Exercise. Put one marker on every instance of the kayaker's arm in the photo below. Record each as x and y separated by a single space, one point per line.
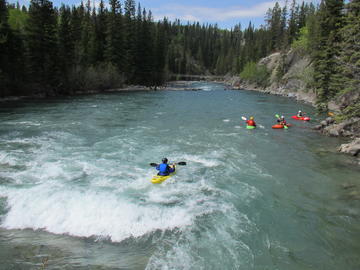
172 168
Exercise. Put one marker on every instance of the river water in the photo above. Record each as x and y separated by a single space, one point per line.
75 190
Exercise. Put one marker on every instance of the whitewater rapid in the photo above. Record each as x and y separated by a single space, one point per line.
75 172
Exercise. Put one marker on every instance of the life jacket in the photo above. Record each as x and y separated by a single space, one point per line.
251 123
164 169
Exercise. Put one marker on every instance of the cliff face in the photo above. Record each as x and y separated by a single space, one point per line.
291 75
288 76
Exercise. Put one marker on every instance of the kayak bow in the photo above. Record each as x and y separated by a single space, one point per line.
303 118
278 126
250 127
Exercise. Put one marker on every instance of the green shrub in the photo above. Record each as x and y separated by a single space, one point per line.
307 76
303 42
100 77
254 73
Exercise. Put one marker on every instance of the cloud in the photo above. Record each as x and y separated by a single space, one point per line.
208 14
204 14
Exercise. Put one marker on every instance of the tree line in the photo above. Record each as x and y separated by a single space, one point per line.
51 50
59 50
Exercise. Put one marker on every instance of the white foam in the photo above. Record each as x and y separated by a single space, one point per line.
24 123
200 159
86 214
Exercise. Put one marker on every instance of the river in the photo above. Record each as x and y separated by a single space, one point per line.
75 190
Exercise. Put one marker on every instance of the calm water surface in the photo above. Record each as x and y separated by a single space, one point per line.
75 184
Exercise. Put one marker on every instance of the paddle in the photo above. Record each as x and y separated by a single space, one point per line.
243 118
181 163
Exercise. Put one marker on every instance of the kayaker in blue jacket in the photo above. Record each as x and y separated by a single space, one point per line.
164 168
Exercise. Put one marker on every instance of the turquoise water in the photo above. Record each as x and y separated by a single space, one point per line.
75 184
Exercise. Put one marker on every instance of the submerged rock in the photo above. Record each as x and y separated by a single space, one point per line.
348 186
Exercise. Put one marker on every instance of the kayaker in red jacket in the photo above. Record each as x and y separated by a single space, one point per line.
251 122
281 120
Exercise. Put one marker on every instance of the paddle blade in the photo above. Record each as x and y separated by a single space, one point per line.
277 116
182 163
153 164
243 118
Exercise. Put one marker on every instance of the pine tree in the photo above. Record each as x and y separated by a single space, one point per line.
42 44
87 31
293 22
327 73
140 49
66 42
349 58
114 51
99 19
77 15
130 39
149 44
274 25
4 48
159 55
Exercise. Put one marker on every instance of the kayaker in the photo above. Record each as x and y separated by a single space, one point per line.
281 120
251 122
299 114
164 168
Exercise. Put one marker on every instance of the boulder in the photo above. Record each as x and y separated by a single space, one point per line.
346 128
348 99
352 148
330 120
323 123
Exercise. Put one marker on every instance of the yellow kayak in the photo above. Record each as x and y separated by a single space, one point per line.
157 179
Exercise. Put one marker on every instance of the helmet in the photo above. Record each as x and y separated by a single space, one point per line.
251 117
299 111
282 117
164 160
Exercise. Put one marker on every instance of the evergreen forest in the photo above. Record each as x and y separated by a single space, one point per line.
59 50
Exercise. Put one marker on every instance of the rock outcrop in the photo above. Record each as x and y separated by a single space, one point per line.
347 128
293 82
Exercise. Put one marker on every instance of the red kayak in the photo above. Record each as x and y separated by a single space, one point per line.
304 118
278 126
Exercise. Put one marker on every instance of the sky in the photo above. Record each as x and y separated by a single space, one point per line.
226 13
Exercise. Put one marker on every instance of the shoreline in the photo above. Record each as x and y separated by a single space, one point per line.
327 127
169 86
